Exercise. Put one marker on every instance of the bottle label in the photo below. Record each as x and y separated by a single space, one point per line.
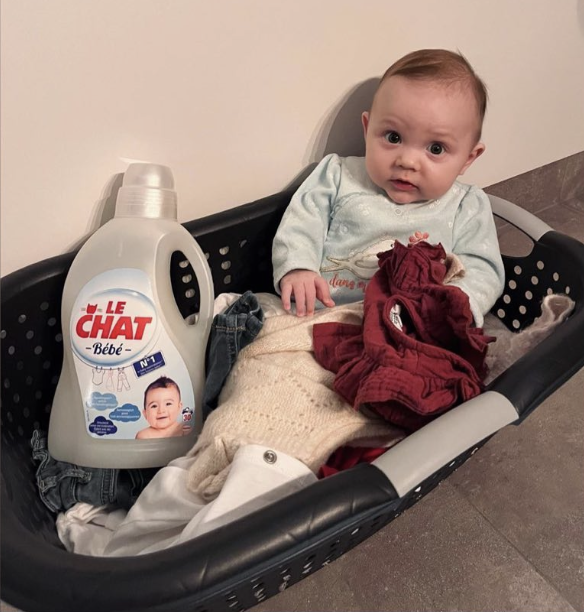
134 382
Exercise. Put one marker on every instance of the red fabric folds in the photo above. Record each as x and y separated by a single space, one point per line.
412 365
347 457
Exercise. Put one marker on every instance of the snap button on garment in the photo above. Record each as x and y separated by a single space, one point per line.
270 457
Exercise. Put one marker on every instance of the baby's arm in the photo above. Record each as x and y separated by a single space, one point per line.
476 244
298 245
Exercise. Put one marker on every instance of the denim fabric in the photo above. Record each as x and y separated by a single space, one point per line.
61 485
231 331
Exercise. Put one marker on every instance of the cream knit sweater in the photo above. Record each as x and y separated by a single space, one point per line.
277 395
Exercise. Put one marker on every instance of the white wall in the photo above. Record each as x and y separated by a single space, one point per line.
237 96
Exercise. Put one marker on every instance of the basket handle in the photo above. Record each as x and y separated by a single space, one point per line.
409 463
522 219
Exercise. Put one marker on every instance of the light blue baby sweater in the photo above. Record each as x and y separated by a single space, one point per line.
339 220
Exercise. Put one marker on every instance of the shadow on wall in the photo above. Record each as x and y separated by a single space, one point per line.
580 9
342 131
103 210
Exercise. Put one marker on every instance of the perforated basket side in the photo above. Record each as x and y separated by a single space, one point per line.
529 279
555 265
31 349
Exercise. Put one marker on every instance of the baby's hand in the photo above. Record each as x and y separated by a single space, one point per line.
305 286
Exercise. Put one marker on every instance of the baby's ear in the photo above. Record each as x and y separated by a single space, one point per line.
365 122
476 151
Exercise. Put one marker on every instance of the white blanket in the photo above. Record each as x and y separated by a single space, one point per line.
167 513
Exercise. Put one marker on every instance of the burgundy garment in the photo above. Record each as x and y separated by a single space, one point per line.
408 375
346 457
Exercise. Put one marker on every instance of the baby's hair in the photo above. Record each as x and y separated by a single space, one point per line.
445 67
161 383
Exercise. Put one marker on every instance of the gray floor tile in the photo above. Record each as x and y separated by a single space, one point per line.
566 218
439 555
323 590
445 556
534 190
575 203
527 483
573 183
514 242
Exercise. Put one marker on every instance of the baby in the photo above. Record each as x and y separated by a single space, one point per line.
423 130
162 405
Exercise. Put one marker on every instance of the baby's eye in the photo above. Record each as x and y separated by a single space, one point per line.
436 148
392 137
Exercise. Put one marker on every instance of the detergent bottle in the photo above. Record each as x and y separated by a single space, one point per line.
130 390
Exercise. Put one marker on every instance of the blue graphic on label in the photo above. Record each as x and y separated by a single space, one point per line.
102 401
126 413
133 380
148 364
102 427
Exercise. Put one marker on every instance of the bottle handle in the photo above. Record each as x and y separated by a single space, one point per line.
187 245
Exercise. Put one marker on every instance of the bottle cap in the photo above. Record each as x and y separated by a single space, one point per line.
147 191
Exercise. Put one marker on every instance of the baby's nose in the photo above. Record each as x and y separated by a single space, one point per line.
408 159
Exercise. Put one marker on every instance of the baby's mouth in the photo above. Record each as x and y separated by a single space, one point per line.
402 185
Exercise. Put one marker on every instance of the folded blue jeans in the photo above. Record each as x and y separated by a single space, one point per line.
61 485
231 331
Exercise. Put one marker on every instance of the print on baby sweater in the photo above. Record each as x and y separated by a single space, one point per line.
362 264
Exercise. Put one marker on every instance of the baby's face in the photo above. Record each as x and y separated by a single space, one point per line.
420 136
162 407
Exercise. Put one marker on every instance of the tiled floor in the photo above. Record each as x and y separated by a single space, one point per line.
506 531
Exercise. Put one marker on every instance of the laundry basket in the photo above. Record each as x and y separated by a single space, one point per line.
255 557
